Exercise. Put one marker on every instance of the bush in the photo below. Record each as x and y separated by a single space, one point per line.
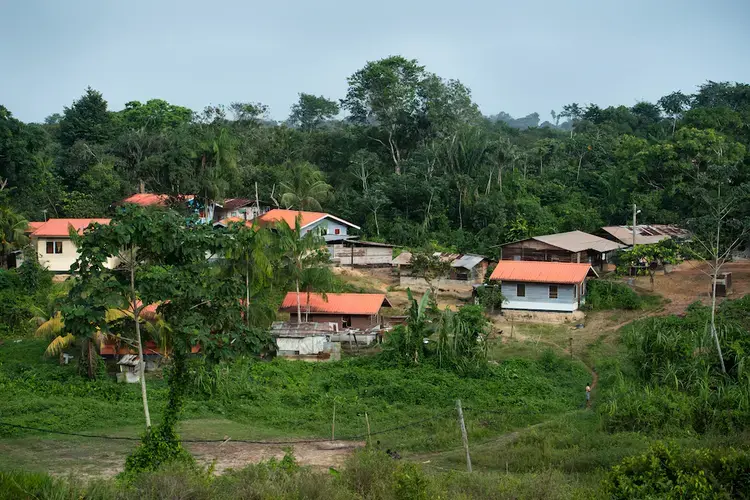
666 471
602 294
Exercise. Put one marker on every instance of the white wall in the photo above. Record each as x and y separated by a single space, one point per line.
61 262
537 297
327 228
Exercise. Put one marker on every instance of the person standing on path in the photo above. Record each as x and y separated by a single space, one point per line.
588 396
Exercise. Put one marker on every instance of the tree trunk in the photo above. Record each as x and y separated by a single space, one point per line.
377 227
142 361
674 125
460 217
90 352
717 268
580 160
299 304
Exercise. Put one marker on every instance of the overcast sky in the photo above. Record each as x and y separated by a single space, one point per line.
516 56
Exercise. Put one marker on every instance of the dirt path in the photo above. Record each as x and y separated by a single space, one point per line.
238 455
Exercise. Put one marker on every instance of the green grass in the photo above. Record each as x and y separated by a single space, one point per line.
289 399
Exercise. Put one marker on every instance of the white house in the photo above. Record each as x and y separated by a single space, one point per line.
326 225
54 247
542 286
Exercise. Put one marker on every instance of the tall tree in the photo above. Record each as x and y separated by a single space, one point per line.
87 119
674 105
310 111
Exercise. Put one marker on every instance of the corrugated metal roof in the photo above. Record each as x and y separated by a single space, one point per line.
646 234
59 228
578 241
232 203
467 261
540 272
297 330
402 259
337 303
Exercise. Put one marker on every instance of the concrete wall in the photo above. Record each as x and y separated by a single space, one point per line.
537 297
61 262
363 256
327 228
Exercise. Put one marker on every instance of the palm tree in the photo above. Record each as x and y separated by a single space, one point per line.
248 256
302 257
306 189
12 233
217 155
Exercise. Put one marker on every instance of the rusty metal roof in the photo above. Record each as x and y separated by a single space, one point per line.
299 330
368 304
646 234
540 272
402 259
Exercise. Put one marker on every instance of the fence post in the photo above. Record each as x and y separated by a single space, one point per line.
369 438
570 340
464 437
333 423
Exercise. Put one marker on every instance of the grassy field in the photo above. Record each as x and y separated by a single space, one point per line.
280 400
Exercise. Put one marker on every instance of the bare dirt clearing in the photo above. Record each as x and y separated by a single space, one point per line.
95 458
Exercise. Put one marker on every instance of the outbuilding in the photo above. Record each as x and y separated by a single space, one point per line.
345 310
542 286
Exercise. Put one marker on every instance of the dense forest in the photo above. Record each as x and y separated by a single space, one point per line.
412 161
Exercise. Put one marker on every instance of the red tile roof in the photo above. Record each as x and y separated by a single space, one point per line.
289 216
338 303
540 272
59 228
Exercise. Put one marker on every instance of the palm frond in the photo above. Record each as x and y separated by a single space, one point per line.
52 327
59 344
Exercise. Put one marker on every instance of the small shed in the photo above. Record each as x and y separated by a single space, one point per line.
129 369
469 267
306 341
542 286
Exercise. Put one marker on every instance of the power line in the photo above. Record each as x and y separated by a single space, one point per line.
248 441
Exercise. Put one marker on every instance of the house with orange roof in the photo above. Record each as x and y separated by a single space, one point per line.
53 245
346 310
542 286
330 227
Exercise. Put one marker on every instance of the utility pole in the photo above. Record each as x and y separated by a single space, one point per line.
635 213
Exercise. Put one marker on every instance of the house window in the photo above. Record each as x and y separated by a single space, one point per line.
346 322
521 290
337 231
553 291
575 291
54 247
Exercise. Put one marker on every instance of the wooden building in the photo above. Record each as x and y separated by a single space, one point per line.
542 286
352 252
573 246
347 310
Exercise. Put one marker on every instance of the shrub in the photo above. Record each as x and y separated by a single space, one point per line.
603 294
668 472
